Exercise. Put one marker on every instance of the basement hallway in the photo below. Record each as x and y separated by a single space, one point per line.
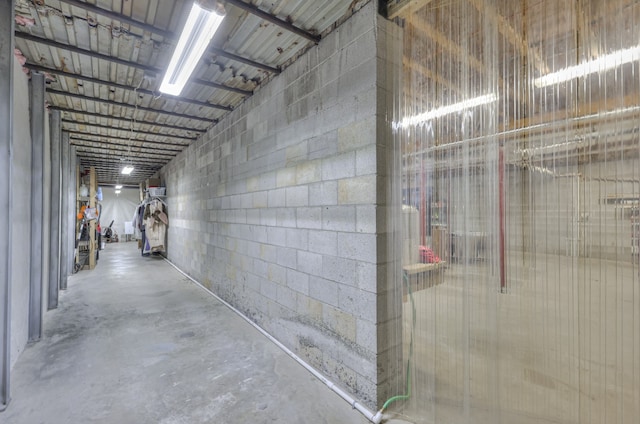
134 341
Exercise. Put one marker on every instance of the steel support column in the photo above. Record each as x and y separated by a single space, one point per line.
56 204
71 240
65 210
36 105
6 140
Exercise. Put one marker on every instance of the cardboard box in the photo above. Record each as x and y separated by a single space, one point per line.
153 182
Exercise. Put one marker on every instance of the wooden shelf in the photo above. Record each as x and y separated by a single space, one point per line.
90 201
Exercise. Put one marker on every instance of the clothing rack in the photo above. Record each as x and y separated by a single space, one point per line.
151 220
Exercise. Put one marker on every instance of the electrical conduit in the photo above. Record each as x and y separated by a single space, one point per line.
376 419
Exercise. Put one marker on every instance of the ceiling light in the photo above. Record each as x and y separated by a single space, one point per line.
118 187
128 169
117 191
603 63
198 31
447 110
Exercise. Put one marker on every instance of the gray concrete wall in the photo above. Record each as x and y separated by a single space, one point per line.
21 207
118 207
276 208
565 208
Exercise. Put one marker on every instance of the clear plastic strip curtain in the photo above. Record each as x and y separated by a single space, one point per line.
518 133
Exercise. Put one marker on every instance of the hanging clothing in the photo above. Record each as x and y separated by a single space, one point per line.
155 225
150 222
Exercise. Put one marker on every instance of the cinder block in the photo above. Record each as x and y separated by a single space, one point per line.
342 323
366 219
323 242
277 198
286 177
357 135
253 216
287 257
366 160
311 308
277 236
296 153
323 145
366 334
361 361
287 297
359 190
323 193
253 282
269 289
360 247
309 262
308 172
337 167
297 196
286 217
367 276
309 217
339 218
336 370
359 303
323 290
260 199
276 273
268 217
298 238
268 253
339 269
299 281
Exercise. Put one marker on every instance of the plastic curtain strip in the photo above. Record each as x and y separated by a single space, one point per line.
517 149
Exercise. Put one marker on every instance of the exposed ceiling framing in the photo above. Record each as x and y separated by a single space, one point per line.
104 63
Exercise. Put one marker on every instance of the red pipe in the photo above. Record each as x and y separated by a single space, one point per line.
501 207
423 209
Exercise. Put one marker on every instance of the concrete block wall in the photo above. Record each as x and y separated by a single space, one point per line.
277 209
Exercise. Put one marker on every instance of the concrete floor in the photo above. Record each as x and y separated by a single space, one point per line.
561 346
134 341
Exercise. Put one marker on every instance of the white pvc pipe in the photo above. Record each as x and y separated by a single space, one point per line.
374 418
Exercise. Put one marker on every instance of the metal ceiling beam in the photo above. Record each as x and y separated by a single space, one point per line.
132 160
106 147
274 20
127 105
220 52
91 124
166 34
124 144
115 166
145 68
179 146
118 118
53 71
111 148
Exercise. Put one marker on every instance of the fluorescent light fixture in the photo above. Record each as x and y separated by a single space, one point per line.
128 169
201 25
118 187
117 191
447 110
603 63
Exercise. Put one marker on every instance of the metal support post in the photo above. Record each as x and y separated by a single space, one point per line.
65 187
37 204
6 141
56 204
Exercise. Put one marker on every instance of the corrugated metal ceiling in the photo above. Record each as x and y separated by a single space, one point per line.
105 60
